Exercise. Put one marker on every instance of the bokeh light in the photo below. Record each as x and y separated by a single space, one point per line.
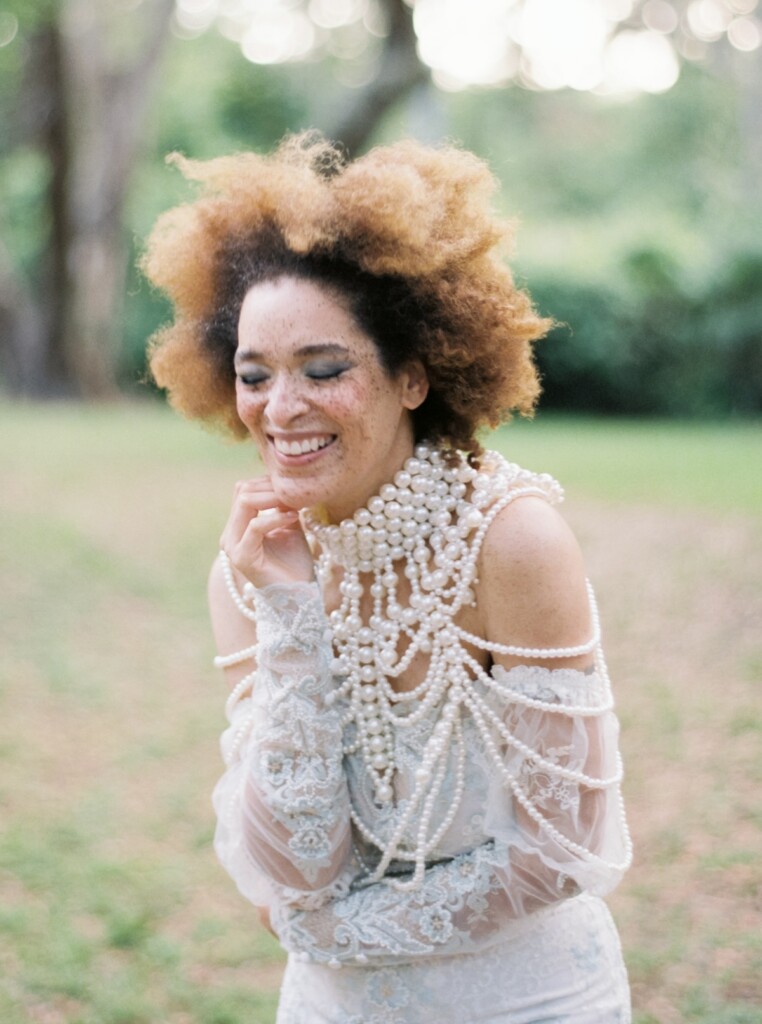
640 62
466 44
544 44
745 34
660 16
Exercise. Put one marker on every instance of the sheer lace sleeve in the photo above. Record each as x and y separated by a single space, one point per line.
283 829
554 825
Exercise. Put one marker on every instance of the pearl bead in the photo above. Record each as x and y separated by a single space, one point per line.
384 792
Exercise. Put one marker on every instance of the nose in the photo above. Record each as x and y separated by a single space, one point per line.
285 401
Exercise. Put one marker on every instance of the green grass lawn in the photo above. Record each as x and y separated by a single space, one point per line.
112 908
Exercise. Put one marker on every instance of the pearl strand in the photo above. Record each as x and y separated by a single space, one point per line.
542 652
579 710
424 518
238 600
434 518
511 781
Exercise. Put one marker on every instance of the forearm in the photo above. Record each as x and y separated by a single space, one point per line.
462 906
282 804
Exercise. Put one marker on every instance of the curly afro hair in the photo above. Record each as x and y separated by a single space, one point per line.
404 234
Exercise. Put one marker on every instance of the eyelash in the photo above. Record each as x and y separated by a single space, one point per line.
333 374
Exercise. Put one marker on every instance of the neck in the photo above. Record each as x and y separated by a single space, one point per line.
402 449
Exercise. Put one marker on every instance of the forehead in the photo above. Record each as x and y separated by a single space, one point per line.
290 311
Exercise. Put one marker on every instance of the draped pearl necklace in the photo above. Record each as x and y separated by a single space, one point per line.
426 526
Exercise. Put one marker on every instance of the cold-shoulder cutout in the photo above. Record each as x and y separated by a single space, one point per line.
532 585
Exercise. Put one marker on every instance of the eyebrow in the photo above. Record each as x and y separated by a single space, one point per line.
327 349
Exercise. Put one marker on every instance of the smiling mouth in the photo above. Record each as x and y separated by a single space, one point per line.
302 446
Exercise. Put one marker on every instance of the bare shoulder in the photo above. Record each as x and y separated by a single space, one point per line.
532 584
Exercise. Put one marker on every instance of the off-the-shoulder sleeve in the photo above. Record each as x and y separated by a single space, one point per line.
283 824
554 819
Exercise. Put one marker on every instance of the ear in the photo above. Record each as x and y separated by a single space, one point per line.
414 383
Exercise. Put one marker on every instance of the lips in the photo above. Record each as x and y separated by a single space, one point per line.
305 445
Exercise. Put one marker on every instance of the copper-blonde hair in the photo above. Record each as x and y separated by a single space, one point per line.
405 234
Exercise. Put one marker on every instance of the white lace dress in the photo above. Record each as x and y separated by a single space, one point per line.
508 924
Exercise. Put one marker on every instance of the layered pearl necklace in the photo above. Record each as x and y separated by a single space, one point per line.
432 518
428 526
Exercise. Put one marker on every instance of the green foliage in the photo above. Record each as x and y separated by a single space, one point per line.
647 342
637 237
637 231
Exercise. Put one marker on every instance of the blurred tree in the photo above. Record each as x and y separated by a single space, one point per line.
87 76
82 74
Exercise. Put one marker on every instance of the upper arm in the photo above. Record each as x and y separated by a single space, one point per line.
232 631
532 586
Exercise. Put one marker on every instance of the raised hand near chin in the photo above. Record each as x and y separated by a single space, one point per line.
264 539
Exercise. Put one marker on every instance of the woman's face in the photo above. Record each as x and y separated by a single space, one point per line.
330 424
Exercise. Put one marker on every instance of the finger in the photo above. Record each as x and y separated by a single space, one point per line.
246 506
268 521
248 552
260 485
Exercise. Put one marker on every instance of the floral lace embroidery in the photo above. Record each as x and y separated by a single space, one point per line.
291 750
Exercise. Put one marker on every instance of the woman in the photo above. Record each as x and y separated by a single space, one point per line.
422 779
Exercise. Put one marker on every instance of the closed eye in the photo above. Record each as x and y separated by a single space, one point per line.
326 371
252 379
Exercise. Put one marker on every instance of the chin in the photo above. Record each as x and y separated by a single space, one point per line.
296 496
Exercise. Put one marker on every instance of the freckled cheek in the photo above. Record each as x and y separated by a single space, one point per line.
249 410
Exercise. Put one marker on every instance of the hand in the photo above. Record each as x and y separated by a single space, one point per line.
264 539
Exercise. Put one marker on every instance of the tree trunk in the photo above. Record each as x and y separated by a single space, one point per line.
401 70
106 109
90 107
22 332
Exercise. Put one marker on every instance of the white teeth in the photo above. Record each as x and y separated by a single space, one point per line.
300 447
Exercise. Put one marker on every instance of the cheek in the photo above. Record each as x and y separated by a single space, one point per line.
247 405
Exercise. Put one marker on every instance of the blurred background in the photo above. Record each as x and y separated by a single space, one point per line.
627 135
627 139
